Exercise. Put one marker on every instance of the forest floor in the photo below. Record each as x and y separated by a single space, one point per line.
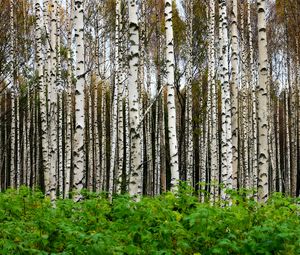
166 224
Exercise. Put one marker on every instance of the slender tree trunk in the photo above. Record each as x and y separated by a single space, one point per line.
52 98
254 160
234 93
226 112
287 141
119 83
68 142
103 138
262 103
189 102
79 155
18 141
59 98
13 104
212 126
244 105
172 133
135 183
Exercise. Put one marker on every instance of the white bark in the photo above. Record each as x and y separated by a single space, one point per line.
114 132
126 117
226 91
13 105
79 155
157 153
253 170
262 103
119 84
52 98
18 141
135 183
97 162
90 134
189 99
59 98
244 105
13 142
234 93
212 107
149 146
287 180
172 133
68 164
202 155
252 104
103 139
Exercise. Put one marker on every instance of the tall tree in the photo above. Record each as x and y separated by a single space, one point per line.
13 100
212 109
226 113
52 113
234 91
189 124
170 62
135 183
79 150
262 103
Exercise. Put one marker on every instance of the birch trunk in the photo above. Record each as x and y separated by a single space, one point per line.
68 164
18 141
119 84
103 139
211 118
157 152
135 184
79 155
13 105
149 146
13 143
262 104
244 105
52 117
189 102
253 170
234 92
172 133
287 169
227 96
90 132
59 98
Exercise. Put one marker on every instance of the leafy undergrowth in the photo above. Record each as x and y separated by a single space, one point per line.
163 225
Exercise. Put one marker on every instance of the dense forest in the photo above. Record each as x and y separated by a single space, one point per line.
134 96
150 127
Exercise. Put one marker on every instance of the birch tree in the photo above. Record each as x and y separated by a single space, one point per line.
120 82
234 92
189 124
253 149
42 92
171 95
226 114
211 118
79 156
13 104
68 132
262 103
114 110
52 113
135 182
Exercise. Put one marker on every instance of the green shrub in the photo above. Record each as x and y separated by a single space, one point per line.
168 224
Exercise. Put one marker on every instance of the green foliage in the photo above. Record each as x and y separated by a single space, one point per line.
168 224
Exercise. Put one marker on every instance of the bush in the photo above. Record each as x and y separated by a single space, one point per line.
168 224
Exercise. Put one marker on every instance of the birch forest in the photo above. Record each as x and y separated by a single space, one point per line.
146 98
